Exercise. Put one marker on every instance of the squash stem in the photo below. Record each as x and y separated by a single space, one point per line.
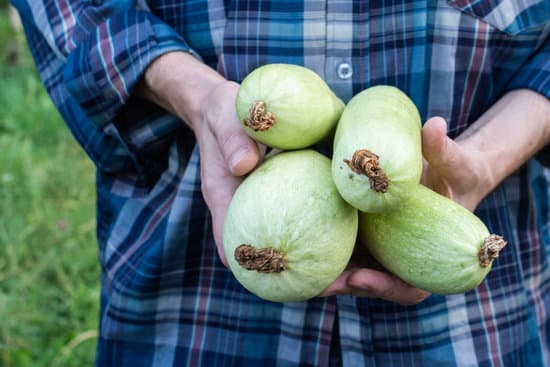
258 119
265 260
366 162
490 249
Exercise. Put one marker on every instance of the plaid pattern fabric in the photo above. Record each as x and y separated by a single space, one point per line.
166 298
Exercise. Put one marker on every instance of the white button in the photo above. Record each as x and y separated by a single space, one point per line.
344 70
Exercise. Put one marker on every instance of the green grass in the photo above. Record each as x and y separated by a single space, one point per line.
49 273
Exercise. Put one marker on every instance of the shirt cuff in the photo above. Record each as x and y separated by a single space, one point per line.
103 70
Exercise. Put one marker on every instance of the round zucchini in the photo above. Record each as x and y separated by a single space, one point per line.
288 234
287 106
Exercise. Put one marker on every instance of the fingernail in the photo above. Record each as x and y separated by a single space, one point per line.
236 158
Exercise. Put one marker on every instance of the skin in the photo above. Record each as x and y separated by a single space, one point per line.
465 169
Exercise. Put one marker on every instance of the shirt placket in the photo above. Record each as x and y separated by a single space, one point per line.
356 333
340 70
339 66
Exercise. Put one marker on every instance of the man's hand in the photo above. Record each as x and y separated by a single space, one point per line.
450 169
226 154
364 277
205 101
492 148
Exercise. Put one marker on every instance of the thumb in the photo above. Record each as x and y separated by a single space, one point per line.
450 169
440 153
240 152
434 142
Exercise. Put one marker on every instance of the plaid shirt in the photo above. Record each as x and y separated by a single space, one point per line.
167 299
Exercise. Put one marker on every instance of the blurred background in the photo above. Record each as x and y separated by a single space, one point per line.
49 273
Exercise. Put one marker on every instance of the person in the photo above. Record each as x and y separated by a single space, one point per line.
148 90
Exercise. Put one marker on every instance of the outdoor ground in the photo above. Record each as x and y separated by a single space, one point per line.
49 273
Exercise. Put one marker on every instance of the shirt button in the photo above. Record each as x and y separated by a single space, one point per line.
344 70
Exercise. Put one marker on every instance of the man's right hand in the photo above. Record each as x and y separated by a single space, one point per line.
226 152
205 101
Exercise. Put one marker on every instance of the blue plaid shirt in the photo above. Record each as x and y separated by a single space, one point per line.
166 298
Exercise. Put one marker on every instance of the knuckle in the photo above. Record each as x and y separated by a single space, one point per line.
231 139
207 189
389 293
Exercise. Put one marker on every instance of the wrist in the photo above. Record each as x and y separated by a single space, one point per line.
485 178
507 135
181 84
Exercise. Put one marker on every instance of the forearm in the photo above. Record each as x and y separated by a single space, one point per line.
508 134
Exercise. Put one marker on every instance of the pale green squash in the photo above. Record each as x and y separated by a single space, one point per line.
377 154
287 106
297 232
431 242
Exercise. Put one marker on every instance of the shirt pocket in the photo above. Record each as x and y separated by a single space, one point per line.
508 16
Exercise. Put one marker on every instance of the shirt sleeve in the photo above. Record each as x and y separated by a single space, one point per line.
105 48
535 75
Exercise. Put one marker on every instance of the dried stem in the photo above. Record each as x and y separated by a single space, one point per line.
366 162
258 119
265 260
490 249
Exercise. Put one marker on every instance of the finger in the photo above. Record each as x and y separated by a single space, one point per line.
435 149
339 286
441 152
434 140
240 152
218 185
377 284
450 170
